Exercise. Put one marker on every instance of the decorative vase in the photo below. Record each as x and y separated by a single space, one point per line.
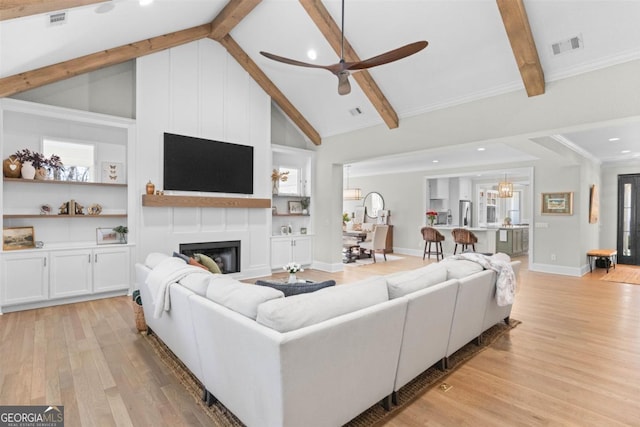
123 237
41 174
292 278
28 171
11 167
151 188
431 220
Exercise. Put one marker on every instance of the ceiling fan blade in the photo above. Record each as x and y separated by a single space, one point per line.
385 58
294 61
344 87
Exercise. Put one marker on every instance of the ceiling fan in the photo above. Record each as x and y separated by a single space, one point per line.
342 68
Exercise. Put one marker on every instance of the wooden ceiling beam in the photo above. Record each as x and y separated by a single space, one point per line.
84 64
270 88
514 17
230 16
10 9
333 34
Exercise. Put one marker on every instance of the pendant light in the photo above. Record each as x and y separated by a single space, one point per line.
351 193
505 188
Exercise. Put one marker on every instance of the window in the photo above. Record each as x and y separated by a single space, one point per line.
292 184
78 158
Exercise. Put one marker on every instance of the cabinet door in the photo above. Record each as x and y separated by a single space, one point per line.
517 242
70 273
25 278
280 252
302 250
111 269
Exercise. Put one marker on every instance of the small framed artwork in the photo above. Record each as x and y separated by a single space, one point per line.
303 230
557 203
106 236
14 238
113 173
359 215
295 207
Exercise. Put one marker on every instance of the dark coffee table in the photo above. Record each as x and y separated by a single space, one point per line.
295 288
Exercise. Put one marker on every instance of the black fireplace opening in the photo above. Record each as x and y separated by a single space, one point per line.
225 254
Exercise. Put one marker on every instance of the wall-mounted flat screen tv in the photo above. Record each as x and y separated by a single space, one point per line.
197 164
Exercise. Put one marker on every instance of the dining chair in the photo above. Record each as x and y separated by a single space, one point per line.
377 243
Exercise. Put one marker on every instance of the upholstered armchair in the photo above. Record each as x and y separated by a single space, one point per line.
377 242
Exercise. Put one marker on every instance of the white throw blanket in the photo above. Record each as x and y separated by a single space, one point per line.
506 282
160 278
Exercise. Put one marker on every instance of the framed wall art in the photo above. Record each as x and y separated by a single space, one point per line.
106 236
295 207
18 238
557 203
594 205
113 173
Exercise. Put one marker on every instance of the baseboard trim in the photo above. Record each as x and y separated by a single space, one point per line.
557 269
328 267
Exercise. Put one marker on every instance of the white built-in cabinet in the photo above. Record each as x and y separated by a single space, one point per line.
70 266
292 233
291 249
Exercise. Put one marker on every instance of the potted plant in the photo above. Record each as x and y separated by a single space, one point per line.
35 165
304 202
122 233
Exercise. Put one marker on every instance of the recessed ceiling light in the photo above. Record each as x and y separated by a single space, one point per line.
625 151
145 2
312 54
614 139
435 161
481 149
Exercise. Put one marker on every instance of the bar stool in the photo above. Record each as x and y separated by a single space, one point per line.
430 234
463 237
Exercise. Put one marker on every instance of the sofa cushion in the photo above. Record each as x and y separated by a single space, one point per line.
459 268
406 282
197 282
296 288
155 258
181 256
194 262
205 260
240 297
288 314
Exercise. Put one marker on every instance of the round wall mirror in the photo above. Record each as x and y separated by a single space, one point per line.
374 203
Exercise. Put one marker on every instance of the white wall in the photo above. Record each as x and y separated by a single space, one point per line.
199 90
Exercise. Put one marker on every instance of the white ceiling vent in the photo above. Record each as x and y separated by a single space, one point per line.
568 45
58 18
355 111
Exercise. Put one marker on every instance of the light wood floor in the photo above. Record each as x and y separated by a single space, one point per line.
575 360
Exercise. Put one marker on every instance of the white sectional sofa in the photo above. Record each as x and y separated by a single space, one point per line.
322 358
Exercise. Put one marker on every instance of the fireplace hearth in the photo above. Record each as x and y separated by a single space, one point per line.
225 254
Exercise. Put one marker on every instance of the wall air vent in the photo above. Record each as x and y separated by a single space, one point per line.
58 18
355 111
567 45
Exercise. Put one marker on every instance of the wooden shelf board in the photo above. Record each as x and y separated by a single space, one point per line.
290 214
12 216
58 182
153 200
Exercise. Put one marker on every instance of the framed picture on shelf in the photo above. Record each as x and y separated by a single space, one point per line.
113 173
295 207
106 236
383 217
557 203
18 238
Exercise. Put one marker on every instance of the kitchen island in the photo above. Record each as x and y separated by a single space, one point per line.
513 240
486 238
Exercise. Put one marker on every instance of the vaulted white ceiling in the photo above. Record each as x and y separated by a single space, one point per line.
468 57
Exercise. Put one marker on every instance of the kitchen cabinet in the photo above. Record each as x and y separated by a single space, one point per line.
439 188
513 241
294 248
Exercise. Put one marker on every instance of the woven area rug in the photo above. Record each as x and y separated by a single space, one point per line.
623 274
374 416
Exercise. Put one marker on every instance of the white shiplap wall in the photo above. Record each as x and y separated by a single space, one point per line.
199 90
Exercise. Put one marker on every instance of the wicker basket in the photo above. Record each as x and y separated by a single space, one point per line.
141 324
